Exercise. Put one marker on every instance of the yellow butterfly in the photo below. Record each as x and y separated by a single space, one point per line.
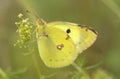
60 43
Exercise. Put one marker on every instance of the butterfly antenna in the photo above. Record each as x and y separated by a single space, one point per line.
35 16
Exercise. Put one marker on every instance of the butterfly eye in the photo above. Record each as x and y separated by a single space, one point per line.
68 31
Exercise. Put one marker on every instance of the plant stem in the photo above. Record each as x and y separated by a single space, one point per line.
37 67
3 74
79 69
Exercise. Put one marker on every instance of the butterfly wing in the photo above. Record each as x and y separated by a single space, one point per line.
55 50
82 36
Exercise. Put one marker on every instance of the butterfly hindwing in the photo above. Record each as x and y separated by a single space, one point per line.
56 48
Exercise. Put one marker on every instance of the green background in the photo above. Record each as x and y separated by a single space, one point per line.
102 15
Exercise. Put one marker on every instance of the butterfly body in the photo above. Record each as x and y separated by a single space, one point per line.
60 43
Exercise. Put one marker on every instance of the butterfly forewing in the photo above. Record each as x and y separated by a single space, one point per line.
82 36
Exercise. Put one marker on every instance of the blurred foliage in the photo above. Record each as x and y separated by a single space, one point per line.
101 74
23 63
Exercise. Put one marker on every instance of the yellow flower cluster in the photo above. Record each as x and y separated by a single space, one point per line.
25 29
